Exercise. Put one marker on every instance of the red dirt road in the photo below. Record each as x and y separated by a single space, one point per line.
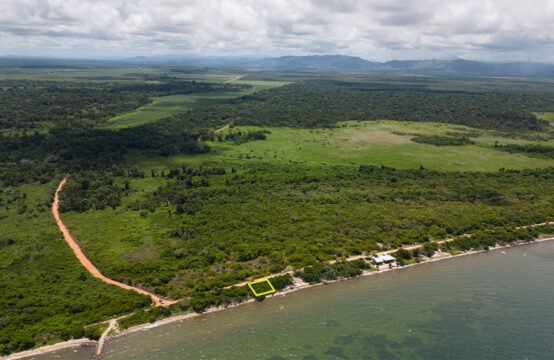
86 262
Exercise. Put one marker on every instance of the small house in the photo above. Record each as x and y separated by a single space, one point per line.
382 259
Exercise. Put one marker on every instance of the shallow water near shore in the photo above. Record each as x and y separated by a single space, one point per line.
493 305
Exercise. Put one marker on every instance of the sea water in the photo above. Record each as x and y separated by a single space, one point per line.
491 305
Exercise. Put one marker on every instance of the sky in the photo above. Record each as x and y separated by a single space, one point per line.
376 30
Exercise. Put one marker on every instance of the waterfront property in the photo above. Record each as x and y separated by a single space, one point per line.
382 259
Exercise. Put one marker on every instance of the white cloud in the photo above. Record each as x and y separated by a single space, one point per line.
373 29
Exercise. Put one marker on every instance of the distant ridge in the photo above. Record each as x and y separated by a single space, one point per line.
461 66
351 63
318 62
339 63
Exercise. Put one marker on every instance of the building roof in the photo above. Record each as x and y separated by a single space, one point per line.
383 258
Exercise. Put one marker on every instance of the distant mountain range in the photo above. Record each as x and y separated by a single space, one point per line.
340 63
317 62
356 64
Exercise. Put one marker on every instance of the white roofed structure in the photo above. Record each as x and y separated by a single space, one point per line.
382 259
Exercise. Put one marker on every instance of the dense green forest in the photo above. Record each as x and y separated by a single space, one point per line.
190 231
324 103
33 104
211 225
70 111
39 156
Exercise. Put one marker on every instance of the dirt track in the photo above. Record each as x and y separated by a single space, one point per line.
221 129
86 262
235 78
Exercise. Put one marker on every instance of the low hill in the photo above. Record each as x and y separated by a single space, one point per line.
351 63
461 66
318 62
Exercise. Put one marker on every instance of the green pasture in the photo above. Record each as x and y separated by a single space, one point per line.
362 143
166 106
261 85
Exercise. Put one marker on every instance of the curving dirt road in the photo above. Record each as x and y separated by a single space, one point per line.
86 262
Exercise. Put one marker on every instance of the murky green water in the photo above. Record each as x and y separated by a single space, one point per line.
496 305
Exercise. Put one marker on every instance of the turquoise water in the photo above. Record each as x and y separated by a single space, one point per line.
495 305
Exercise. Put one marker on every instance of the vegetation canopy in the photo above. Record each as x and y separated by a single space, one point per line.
267 174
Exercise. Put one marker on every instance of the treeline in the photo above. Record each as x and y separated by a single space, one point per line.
39 156
239 137
179 191
96 190
217 296
200 301
323 103
484 240
325 271
535 150
439 140
403 255
33 104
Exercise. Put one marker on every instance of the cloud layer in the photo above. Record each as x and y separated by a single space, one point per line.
379 30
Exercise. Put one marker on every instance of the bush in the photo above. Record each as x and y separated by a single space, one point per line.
95 332
403 254
438 140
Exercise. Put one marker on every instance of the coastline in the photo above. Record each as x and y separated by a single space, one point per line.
50 348
298 285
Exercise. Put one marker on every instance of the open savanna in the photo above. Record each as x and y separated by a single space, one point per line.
84 72
375 143
165 106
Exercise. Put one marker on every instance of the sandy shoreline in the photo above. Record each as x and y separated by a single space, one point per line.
299 285
303 285
49 348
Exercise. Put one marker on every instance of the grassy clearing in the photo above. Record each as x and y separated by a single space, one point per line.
261 85
166 106
363 143
548 116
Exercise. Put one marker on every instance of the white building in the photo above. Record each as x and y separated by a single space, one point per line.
382 259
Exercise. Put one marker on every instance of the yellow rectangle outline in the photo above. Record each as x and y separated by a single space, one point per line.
260 281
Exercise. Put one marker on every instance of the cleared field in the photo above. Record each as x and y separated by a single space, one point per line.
165 106
261 85
364 143
86 73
